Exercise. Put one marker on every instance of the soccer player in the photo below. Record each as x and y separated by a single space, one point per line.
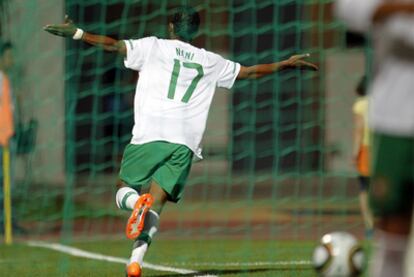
6 125
173 95
391 117
361 152
7 142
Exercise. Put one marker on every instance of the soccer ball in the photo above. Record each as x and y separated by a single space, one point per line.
338 255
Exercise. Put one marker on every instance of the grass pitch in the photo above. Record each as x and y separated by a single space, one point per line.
204 257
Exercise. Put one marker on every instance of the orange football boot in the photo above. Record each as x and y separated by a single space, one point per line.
136 220
134 270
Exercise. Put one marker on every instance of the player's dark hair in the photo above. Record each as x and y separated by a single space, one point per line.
361 89
4 46
186 21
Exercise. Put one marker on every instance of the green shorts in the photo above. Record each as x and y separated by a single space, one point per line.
166 163
392 187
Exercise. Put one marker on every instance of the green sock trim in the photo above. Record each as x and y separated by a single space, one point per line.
123 202
145 237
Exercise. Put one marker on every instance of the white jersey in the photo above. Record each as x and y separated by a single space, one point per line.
392 92
175 88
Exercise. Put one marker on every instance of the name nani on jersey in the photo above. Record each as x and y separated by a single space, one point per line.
184 54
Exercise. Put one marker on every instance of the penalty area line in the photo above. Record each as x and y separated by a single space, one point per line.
96 256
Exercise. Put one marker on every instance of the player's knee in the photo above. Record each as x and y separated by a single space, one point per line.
119 184
160 197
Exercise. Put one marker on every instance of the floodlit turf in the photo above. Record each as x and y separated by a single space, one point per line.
207 257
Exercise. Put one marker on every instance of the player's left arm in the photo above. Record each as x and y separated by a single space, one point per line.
261 70
69 29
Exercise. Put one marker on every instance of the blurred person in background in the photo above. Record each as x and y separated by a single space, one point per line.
6 121
7 125
361 152
391 118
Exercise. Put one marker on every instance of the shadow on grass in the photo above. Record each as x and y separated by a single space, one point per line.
227 272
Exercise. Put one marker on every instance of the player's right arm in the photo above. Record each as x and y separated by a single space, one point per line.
68 29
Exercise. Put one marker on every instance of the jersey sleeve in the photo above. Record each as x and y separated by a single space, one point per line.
138 51
228 73
357 14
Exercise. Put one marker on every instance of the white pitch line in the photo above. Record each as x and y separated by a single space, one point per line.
96 256
225 264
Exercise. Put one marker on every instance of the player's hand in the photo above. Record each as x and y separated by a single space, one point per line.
67 29
297 61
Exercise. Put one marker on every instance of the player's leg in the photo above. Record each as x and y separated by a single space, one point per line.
137 167
168 179
364 206
391 197
151 223
363 167
167 185
391 240
138 164
128 199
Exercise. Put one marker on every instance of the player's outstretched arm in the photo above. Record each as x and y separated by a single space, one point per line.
261 70
69 29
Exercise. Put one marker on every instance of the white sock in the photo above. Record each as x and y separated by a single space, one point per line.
144 239
138 254
126 198
389 255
